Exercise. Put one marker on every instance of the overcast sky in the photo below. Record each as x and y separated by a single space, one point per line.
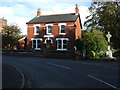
21 11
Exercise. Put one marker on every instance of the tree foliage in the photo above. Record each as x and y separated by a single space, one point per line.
105 17
10 35
94 43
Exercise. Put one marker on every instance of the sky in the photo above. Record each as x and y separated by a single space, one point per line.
19 12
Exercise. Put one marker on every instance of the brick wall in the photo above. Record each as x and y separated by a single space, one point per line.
72 33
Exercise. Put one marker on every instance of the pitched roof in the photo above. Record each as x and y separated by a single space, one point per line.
54 18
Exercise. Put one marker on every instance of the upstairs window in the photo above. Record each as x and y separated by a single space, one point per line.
49 28
62 28
36 29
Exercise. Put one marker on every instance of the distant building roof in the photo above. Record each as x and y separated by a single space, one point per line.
71 17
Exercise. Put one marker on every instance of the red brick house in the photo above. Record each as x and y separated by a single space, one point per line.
56 32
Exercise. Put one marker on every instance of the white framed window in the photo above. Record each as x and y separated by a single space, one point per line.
37 29
49 28
62 28
36 43
62 43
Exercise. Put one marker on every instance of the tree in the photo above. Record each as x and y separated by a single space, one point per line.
94 43
10 35
105 17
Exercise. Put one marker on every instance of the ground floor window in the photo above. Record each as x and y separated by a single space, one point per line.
36 43
62 43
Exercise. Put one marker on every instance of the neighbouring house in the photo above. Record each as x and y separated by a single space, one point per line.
54 32
22 43
3 22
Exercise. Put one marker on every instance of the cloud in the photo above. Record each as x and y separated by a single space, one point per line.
21 22
16 15
57 9
44 1
6 10
27 0
20 13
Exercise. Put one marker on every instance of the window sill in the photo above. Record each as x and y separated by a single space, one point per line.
37 48
36 34
62 33
62 49
49 33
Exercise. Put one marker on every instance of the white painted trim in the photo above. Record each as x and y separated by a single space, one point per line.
62 39
48 39
36 25
62 33
62 49
48 35
49 25
47 28
35 29
37 48
36 39
52 25
62 24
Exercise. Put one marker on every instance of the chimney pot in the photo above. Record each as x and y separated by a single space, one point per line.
38 12
76 9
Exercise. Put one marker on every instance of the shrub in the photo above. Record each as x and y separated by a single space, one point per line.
95 44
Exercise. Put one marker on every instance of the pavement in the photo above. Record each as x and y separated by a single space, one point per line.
12 77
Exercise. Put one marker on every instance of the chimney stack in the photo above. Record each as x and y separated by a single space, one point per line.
76 9
38 12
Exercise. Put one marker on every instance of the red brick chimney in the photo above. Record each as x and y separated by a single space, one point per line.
38 12
76 9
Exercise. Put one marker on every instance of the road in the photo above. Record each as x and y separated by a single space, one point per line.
57 73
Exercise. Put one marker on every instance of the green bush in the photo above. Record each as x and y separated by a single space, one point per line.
95 44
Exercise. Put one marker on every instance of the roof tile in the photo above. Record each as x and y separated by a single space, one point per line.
54 18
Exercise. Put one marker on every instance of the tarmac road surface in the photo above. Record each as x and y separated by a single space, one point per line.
58 73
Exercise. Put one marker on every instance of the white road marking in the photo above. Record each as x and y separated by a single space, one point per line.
99 65
103 82
59 65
